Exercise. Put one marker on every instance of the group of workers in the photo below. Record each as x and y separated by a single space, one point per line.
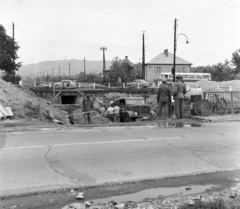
164 98
112 112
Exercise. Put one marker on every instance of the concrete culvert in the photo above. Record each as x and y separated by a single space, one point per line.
69 99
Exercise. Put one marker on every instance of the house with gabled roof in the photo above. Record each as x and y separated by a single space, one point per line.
164 63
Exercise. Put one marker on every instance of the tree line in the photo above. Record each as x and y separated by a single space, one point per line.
225 71
8 55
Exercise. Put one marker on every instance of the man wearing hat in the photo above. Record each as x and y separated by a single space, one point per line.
164 98
179 91
87 107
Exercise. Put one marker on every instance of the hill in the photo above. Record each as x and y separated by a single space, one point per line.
76 66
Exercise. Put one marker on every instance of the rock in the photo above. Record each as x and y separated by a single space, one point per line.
75 206
150 207
191 202
80 196
120 206
87 204
188 188
233 195
72 190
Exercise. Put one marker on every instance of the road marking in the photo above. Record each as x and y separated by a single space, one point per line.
89 143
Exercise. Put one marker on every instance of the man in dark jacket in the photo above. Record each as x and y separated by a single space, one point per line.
164 98
179 91
87 107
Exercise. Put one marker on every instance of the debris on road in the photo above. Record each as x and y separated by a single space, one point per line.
75 206
80 195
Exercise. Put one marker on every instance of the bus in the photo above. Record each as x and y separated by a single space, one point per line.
187 77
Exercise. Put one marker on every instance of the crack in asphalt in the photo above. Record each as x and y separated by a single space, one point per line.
56 171
192 151
205 132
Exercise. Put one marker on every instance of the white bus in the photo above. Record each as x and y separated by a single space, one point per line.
188 77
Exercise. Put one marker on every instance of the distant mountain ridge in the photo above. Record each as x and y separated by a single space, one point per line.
76 66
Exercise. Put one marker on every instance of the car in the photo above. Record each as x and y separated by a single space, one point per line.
138 83
132 108
65 84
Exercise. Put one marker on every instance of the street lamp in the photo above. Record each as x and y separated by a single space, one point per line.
174 55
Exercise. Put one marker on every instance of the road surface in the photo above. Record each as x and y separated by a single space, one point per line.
57 159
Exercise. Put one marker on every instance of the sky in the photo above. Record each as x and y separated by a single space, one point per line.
48 30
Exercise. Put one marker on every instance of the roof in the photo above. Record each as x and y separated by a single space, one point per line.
167 60
126 60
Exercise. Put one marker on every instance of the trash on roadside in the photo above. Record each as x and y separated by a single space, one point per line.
80 195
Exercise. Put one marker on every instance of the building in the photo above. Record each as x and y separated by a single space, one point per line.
164 63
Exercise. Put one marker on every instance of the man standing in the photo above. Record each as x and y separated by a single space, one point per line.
116 113
109 113
164 98
179 91
87 107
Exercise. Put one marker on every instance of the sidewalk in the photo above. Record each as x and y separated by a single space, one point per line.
219 118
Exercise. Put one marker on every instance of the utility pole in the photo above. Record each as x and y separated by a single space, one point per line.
52 73
84 69
13 78
69 71
59 73
174 51
143 57
104 66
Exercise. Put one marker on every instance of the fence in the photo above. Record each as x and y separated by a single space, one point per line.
232 98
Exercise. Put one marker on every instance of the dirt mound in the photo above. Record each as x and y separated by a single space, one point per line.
27 105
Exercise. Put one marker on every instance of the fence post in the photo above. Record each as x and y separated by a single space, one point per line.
109 85
34 85
153 84
124 85
79 85
138 85
94 85
232 103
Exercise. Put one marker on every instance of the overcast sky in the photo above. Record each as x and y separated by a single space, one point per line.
55 29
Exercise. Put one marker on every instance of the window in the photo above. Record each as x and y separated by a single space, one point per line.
158 70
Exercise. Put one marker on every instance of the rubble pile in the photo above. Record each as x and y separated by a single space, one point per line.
27 106
225 199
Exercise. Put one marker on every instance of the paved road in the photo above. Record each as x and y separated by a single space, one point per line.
44 160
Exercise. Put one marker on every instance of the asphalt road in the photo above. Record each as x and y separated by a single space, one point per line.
46 160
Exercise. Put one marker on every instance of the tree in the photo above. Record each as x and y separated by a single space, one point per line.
221 71
8 78
8 53
236 62
123 70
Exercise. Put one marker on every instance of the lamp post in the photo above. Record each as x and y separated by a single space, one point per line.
174 55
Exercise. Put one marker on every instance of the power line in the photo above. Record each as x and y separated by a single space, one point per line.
204 10
211 14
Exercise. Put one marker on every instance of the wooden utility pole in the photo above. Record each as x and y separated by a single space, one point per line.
84 69
143 57
59 73
69 71
174 51
13 72
104 66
